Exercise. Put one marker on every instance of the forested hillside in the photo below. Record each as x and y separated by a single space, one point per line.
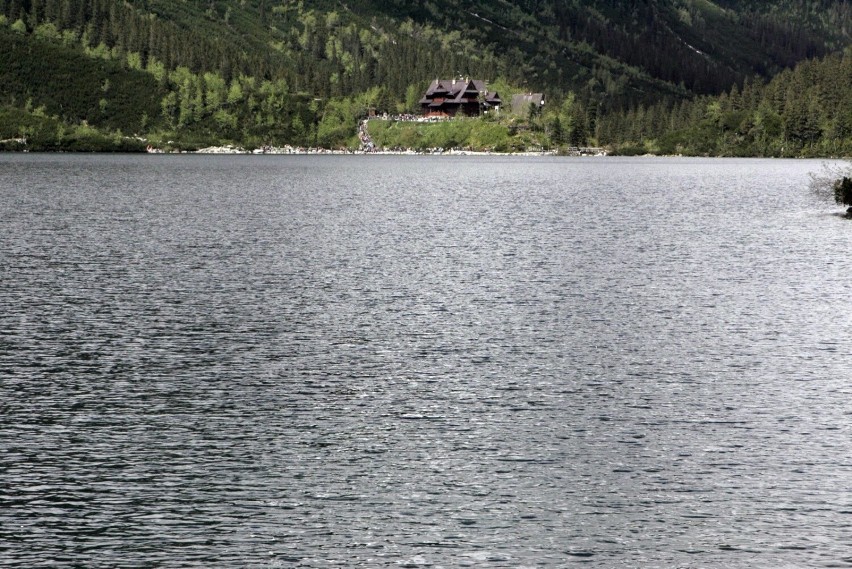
273 72
806 111
698 45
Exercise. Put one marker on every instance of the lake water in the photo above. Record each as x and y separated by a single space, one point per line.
422 362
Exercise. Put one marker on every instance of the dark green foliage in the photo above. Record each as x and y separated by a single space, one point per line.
843 191
806 111
74 87
635 50
20 130
257 72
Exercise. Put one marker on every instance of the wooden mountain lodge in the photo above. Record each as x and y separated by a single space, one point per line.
452 97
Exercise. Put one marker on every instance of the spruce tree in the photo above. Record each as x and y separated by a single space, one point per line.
843 191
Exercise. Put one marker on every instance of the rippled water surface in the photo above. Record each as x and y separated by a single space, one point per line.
446 362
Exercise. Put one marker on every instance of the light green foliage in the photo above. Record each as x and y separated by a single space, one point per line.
47 31
332 20
186 102
19 26
216 91
412 99
298 129
101 51
156 68
235 92
567 113
70 38
274 100
370 99
169 107
225 120
713 112
134 61
338 123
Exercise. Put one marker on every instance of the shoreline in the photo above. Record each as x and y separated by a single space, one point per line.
302 151
310 151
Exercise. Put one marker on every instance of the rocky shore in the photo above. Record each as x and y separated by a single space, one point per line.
298 150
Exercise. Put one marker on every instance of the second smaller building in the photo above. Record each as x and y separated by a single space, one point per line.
521 104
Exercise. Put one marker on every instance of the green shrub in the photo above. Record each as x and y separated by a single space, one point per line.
843 191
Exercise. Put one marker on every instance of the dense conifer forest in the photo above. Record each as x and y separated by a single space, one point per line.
768 78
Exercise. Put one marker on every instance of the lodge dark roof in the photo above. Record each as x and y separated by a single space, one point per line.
459 91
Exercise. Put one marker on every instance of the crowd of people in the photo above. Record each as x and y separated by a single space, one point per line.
364 136
409 117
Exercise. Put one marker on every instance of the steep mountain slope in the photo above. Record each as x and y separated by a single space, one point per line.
702 46
655 45
806 111
267 69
